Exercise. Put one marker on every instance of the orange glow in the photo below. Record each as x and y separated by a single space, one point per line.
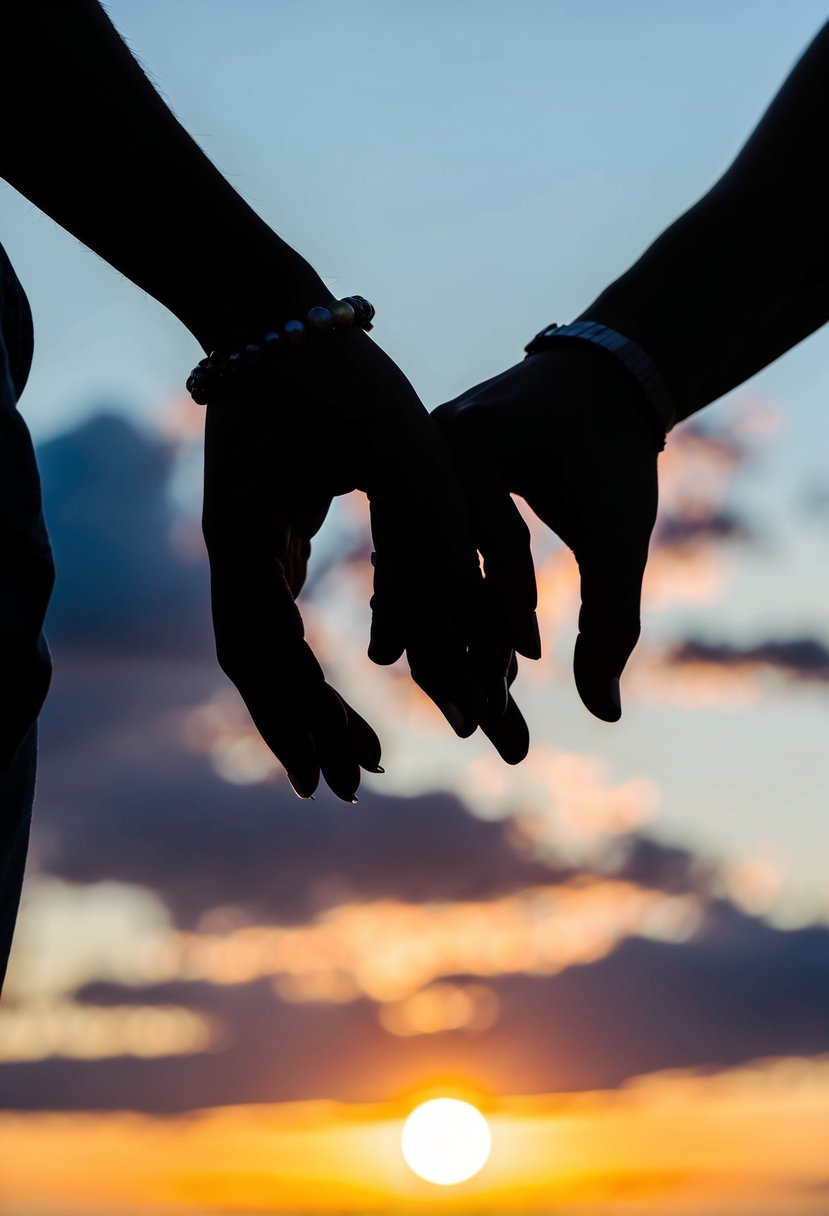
749 1142
441 1007
566 800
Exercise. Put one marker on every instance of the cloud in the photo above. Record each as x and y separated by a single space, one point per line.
713 526
804 659
740 991
121 588
663 866
120 799
124 797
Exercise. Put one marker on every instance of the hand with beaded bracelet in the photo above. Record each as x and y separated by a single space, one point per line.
89 141
576 427
322 430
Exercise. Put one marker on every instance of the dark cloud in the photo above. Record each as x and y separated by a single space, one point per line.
662 866
119 798
721 442
805 659
120 587
741 991
676 531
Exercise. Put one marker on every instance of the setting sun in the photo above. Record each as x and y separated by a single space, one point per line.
446 1141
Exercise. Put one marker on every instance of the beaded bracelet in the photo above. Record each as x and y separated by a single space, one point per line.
220 369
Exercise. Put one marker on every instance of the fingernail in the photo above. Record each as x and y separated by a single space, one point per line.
616 693
299 789
379 769
354 800
456 719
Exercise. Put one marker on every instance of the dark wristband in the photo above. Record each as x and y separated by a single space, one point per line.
628 353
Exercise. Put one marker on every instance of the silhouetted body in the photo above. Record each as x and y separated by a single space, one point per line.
26 577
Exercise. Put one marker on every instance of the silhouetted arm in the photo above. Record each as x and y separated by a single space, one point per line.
738 280
85 136
744 274
88 139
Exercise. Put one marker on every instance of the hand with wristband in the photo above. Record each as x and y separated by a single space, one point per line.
566 430
576 428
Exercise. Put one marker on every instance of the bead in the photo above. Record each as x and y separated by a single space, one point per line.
343 313
209 374
294 332
365 310
319 318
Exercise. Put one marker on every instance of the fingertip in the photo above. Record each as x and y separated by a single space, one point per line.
509 735
343 778
516 752
601 697
304 785
597 683
383 652
462 724
527 639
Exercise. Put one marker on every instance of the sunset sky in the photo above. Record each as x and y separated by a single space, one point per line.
226 1001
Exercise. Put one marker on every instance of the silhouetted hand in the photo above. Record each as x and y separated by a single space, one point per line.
564 429
325 419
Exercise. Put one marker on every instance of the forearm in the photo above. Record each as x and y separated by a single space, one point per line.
88 140
744 274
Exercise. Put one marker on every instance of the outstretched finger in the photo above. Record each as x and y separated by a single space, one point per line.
425 594
612 568
260 644
500 532
508 732
387 639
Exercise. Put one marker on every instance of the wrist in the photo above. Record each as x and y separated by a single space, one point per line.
652 395
245 298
